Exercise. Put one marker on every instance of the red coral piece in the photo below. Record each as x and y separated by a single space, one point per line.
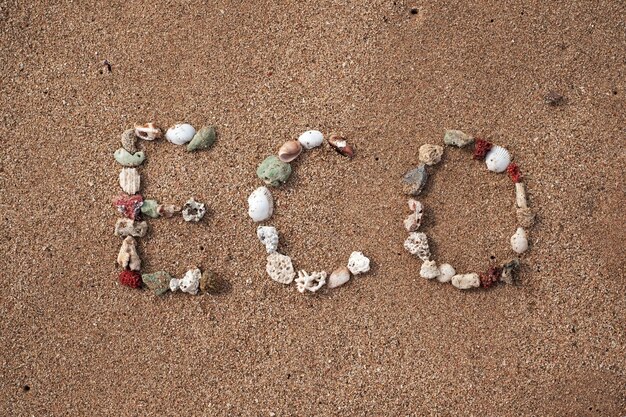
481 147
491 277
131 279
129 206
514 172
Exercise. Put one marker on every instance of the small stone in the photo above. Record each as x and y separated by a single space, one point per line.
413 181
129 227
125 158
129 141
268 236
189 283
509 271
159 282
149 208
208 282
525 217
446 272
129 206
554 98
457 138
193 211
466 281
130 279
273 171
203 139
429 270
358 263
128 256
430 154
339 277
168 210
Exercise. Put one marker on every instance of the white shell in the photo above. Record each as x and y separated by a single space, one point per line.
519 242
181 133
311 139
127 256
446 273
310 282
130 180
188 283
497 159
268 236
280 268
417 244
260 204
466 281
338 277
358 263
429 270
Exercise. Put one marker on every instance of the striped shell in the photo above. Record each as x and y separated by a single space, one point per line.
497 159
130 181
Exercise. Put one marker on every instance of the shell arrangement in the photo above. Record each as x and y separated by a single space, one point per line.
497 159
133 208
275 171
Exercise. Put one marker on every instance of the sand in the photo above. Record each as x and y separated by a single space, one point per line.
74 342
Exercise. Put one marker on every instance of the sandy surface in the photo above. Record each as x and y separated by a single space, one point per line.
74 342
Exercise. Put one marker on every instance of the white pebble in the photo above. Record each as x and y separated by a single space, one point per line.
358 263
339 277
429 270
311 139
466 281
519 242
180 134
446 273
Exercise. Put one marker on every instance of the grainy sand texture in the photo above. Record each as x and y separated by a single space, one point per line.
391 76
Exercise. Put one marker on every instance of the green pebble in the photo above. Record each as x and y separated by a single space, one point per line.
273 171
203 139
150 208
159 282
128 159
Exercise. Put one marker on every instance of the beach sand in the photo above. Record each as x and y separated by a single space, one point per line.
391 76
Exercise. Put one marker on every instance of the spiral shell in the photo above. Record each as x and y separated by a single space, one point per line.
289 151
497 159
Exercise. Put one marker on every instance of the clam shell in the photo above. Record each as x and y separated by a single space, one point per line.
311 139
180 134
130 181
497 159
148 131
338 277
519 241
260 204
289 151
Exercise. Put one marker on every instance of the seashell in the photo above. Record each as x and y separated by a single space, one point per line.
280 268
338 277
159 282
129 206
193 211
130 181
289 151
457 138
203 139
311 139
414 220
358 263
430 154
128 256
446 272
341 145
417 244
260 204
519 242
497 159
268 236
129 227
525 217
273 171
180 133
520 195
148 131
129 140
429 270
310 282
189 283
208 282
413 181
509 271
125 158
168 210
466 281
